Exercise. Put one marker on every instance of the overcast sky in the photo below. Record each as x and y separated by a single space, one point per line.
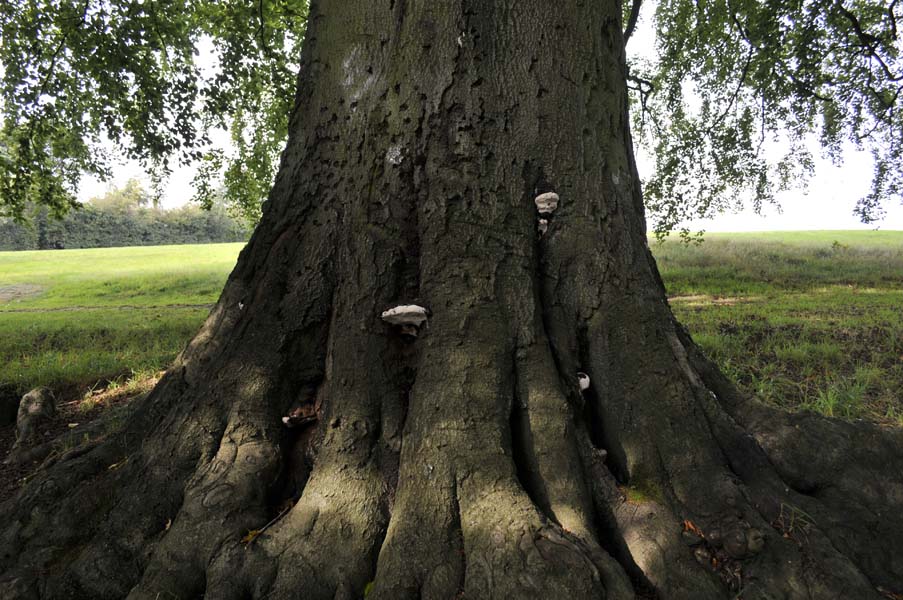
827 203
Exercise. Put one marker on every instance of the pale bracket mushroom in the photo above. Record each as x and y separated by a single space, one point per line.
409 318
543 227
583 381
546 203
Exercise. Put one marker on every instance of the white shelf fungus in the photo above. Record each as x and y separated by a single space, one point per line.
408 318
583 381
543 227
546 203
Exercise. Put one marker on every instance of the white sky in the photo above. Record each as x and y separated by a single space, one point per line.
826 203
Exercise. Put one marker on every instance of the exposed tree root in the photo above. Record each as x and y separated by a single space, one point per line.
501 489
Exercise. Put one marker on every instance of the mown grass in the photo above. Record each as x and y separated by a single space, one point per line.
801 319
80 318
777 262
136 276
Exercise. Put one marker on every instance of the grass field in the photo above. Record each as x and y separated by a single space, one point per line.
799 319
79 318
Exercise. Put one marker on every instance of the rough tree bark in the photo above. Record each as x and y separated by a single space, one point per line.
468 463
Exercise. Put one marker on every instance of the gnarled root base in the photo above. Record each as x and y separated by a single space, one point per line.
468 465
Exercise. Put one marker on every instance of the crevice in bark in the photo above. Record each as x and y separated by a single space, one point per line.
592 416
303 357
594 397
298 448
804 488
459 537
523 455
606 498
408 264
393 416
611 539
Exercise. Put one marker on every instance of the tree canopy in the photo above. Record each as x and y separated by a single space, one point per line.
79 72
734 75
129 198
731 78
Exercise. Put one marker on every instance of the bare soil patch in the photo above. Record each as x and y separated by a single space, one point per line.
703 300
20 291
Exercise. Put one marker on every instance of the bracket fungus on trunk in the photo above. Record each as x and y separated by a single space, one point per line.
407 318
546 203
583 381
543 227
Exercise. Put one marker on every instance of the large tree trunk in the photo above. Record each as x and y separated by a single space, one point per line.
467 463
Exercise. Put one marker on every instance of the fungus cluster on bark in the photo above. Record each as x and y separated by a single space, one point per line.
546 204
407 319
543 227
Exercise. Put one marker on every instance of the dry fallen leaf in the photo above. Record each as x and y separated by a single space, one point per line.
690 526
250 536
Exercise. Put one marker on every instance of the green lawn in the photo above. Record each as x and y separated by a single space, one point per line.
762 263
136 276
77 318
799 319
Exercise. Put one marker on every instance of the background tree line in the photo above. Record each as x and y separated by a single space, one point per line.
127 216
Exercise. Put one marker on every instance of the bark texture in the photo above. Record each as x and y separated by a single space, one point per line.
467 463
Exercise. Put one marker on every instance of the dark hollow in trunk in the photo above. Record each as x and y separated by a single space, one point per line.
465 463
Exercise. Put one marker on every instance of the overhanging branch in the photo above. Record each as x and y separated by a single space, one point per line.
632 20
868 42
644 88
